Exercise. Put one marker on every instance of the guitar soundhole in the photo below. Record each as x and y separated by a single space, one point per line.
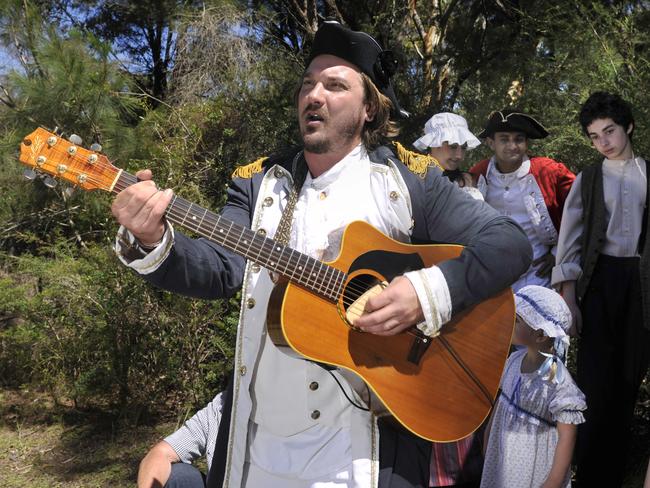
355 295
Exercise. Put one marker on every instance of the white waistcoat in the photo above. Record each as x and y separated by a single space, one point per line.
283 401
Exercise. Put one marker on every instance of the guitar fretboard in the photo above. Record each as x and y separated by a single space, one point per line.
299 268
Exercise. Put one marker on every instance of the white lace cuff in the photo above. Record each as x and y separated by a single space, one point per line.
433 294
132 255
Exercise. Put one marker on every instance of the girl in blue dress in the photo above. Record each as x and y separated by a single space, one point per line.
532 431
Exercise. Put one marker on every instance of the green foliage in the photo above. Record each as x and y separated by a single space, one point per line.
72 318
89 330
67 82
569 54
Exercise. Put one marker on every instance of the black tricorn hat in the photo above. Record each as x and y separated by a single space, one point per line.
363 51
511 120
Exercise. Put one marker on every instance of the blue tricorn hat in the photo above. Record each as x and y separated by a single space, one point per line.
363 51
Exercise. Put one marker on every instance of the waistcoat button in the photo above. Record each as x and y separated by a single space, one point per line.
313 385
315 414
250 303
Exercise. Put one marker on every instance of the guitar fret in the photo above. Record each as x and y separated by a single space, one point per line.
186 214
329 281
325 280
249 243
268 254
278 250
227 234
261 248
319 277
341 281
312 277
303 260
214 227
203 218
192 218
286 267
235 247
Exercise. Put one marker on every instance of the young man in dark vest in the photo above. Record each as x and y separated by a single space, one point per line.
530 190
603 272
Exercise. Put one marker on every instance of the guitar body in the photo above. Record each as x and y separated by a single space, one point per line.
434 397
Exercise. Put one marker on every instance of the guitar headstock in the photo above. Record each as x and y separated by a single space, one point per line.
45 152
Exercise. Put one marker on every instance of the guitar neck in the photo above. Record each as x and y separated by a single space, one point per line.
299 268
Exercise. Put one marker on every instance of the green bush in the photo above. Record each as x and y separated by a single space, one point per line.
91 331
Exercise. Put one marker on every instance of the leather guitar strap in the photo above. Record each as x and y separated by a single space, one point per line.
299 173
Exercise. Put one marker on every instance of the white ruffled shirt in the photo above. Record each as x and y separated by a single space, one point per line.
507 193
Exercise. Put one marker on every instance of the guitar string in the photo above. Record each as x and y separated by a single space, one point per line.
214 219
112 169
79 163
332 285
357 291
180 211
354 291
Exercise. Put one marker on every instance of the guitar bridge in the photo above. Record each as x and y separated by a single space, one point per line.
419 346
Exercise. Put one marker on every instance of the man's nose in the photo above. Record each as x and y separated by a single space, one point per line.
316 93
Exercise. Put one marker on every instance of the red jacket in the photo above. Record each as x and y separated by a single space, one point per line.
553 178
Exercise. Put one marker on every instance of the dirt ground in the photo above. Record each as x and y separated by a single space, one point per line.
47 445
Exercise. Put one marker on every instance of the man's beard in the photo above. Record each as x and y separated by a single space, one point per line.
321 146
324 145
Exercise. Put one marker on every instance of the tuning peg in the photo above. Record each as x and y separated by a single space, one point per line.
69 191
49 182
95 146
29 173
57 131
76 140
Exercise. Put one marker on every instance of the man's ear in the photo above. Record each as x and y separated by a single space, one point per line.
490 142
630 128
370 112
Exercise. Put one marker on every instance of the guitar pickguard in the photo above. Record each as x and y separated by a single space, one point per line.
388 264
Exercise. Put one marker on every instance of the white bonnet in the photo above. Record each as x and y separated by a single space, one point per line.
446 127
544 309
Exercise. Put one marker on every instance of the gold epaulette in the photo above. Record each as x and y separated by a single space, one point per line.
248 170
416 162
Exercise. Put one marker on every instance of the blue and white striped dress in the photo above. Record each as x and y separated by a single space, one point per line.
524 436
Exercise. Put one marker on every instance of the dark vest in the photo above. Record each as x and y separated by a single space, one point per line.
595 230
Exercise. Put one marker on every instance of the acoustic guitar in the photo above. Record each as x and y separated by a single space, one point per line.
439 388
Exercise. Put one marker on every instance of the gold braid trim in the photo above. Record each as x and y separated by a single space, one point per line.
416 162
248 170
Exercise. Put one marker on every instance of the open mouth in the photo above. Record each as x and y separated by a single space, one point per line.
313 118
